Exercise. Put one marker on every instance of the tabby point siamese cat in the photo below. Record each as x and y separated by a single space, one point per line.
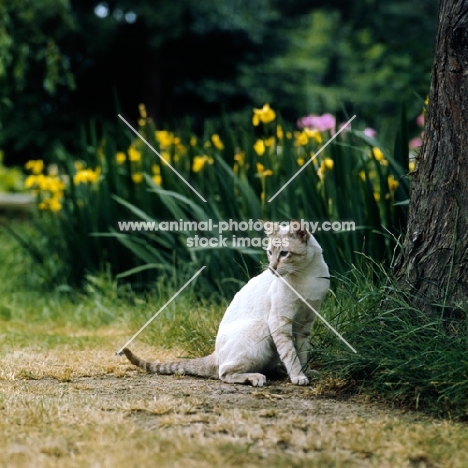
266 323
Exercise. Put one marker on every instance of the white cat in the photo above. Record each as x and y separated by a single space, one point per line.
266 322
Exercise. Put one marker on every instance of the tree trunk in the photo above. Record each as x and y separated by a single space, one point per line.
434 261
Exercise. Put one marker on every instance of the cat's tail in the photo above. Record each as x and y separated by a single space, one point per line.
201 367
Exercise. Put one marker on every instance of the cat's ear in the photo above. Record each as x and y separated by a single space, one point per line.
270 227
298 230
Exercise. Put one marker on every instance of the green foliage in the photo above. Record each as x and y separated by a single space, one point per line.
237 171
361 57
403 356
11 178
33 70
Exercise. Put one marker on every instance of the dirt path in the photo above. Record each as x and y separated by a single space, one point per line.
67 408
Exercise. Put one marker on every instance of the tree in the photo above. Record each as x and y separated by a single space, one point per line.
434 261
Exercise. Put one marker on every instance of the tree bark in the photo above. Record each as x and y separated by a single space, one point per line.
434 259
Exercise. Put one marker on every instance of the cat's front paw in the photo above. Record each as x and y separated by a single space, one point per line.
257 380
300 380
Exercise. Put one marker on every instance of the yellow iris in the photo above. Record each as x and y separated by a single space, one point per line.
265 115
217 141
87 176
279 132
378 155
51 204
262 171
142 110
301 139
35 166
313 135
45 183
133 154
200 161
392 183
120 157
259 147
137 177
164 138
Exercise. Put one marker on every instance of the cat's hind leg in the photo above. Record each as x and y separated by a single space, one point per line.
245 351
254 379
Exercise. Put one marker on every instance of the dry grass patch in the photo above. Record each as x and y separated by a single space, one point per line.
66 407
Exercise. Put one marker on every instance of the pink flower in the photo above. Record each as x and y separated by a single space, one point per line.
317 122
370 132
415 142
420 120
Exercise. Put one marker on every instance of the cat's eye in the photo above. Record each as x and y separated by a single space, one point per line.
269 252
283 253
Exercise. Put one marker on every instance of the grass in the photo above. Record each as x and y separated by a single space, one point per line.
404 357
66 400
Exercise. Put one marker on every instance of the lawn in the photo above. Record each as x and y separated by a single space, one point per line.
67 400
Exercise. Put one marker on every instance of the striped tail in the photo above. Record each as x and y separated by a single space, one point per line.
200 367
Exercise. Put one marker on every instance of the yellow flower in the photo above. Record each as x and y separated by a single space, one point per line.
217 141
30 181
378 155
137 177
180 150
87 176
259 147
193 141
412 166
392 183
133 154
239 157
300 161
377 196
157 179
328 163
142 109
164 138
200 161
313 135
156 169
120 157
362 175
289 135
270 142
45 183
51 204
301 139
265 115
262 171
279 132
35 166
141 122
166 156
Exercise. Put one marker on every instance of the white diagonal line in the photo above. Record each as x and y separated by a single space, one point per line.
162 159
311 159
160 310
315 312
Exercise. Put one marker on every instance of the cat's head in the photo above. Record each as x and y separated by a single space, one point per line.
290 247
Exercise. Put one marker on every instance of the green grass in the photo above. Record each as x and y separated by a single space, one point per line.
404 358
